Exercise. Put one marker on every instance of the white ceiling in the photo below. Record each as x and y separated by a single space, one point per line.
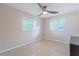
33 8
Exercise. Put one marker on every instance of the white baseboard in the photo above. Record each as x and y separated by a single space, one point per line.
17 46
57 41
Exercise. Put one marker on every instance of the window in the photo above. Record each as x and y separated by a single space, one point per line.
57 25
28 24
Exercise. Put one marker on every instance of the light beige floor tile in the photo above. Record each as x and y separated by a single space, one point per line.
41 48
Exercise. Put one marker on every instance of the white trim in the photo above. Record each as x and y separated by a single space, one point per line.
17 46
58 41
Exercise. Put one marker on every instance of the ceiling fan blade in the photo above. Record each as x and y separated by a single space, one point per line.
40 6
53 12
40 14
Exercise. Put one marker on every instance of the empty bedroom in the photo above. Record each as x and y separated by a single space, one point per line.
39 29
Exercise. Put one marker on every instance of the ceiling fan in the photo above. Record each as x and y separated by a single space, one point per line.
45 11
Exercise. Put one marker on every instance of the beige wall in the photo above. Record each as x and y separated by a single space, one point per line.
10 28
71 28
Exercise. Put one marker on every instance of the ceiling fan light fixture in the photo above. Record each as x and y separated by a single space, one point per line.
45 12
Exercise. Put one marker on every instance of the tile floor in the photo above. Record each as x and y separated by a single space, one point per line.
40 48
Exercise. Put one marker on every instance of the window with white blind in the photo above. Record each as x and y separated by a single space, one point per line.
57 25
28 24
